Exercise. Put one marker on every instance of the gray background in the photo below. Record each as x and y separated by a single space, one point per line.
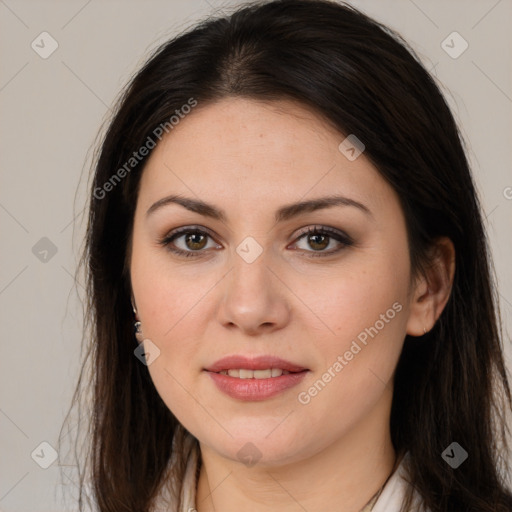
51 111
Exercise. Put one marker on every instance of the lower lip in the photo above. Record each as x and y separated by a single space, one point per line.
255 389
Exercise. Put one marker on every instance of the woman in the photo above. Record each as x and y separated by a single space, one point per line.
283 209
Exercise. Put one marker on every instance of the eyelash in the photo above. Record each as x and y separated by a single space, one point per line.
339 236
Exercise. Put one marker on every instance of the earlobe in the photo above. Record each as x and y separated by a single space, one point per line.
433 289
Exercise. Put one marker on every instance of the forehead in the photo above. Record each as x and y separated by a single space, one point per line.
246 149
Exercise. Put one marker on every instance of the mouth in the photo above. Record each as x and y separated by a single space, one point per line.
250 367
250 378
244 373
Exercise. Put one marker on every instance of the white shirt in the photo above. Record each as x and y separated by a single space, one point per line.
390 499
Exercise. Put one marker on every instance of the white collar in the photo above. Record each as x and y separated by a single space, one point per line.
393 494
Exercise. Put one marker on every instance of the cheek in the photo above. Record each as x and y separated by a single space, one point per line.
363 308
169 308
352 296
168 294
173 315
357 354
365 324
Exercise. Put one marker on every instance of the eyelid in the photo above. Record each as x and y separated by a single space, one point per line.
189 228
323 229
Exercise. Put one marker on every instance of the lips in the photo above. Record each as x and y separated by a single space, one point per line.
264 362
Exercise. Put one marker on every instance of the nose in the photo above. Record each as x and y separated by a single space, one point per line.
255 299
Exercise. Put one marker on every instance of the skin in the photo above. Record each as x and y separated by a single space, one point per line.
250 158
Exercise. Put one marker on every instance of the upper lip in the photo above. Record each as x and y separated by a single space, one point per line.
253 363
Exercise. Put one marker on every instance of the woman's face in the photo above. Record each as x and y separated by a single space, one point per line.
336 303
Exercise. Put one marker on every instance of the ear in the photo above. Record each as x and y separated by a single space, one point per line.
138 327
134 307
432 289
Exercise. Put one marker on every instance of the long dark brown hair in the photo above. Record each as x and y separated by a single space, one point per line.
450 385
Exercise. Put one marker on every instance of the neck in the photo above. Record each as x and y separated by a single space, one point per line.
343 476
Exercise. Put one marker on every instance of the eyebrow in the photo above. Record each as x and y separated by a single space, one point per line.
282 214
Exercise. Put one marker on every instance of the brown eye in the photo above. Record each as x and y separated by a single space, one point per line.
319 238
195 241
187 241
318 242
